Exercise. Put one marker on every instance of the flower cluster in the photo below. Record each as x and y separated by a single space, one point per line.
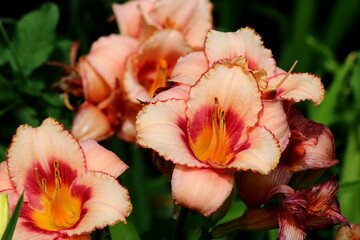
213 105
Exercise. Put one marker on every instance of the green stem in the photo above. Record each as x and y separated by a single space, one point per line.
177 233
205 230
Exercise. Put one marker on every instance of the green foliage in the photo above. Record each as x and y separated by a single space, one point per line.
9 231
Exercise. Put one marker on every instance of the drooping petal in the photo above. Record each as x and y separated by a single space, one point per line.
261 152
100 159
199 189
289 228
128 16
162 126
254 187
91 123
274 118
311 144
299 87
108 202
245 42
189 69
5 182
194 18
108 54
37 149
252 219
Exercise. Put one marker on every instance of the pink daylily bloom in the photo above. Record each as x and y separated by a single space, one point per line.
140 18
70 187
246 48
209 136
104 65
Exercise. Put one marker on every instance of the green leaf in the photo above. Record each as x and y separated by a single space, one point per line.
355 81
350 173
35 38
9 231
325 112
123 231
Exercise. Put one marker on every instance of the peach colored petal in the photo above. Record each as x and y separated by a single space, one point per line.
199 189
108 54
194 18
91 123
245 42
100 159
40 146
95 87
232 87
109 202
274 118
162 127
298 87
262 152
133 89
127 131
177 92
5 182
128 16
189 68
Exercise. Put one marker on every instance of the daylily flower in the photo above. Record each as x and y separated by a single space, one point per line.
70 187
310 152
298 212
209 136
245 48
141 18
4 213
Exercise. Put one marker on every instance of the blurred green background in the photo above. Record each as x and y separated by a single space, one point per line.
322 35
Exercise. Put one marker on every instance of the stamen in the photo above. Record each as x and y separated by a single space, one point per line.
287 75
41 184
216 147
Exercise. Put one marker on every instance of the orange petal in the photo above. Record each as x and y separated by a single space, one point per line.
100 159
199 189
